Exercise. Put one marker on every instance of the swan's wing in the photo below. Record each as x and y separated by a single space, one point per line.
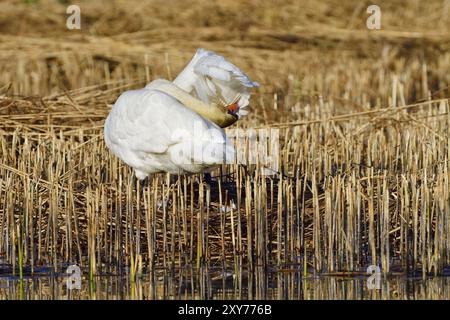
152 132
215 80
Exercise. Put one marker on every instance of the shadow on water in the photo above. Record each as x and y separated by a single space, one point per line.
191 283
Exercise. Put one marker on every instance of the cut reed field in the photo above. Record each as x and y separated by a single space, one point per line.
363 172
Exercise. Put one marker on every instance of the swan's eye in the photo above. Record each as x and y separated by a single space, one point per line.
233 108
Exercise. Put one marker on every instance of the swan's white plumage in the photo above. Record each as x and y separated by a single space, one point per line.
148 129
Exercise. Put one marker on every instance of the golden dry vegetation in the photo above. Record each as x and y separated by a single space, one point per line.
364 137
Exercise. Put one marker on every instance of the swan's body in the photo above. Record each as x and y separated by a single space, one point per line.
176 127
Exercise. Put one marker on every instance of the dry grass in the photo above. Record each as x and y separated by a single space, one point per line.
364 144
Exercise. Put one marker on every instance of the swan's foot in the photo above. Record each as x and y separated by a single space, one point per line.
144 182
141 183
208 179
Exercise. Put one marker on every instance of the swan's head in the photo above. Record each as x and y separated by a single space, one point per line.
233 109
237 109
231 115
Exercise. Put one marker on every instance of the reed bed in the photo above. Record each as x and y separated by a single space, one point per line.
349 192
362 177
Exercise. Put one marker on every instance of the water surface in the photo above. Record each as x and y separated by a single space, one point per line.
191 283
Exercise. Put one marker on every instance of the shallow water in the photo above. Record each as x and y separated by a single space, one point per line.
191 284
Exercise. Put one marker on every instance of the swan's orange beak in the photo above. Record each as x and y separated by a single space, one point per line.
232 108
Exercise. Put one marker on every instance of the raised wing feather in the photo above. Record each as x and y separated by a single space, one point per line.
212 78
215 66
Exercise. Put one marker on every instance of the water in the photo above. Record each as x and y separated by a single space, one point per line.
214 284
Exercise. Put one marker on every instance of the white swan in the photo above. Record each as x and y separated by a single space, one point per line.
176 127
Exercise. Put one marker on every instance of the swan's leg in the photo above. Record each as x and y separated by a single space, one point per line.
144 182
174 178
139 186
138 179
208 178
171 183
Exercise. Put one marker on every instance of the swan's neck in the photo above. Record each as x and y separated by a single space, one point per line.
213 113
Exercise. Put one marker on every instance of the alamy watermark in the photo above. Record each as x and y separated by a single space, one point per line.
199 145
74 278
373 22
74 19
374 280
257 146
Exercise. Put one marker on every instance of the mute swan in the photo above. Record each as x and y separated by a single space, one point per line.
176 127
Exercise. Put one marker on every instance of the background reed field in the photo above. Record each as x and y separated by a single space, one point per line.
363 120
